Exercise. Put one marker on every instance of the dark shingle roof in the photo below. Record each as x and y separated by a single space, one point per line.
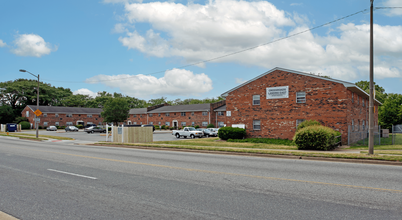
70 110
182 108
220 109
135 111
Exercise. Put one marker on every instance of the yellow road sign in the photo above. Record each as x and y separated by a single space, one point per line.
37 112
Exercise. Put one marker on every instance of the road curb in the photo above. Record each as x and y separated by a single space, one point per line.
361 161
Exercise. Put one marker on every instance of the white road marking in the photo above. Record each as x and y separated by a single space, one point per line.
74 174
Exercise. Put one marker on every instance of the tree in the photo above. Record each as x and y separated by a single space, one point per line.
77 100
6 114
390 112
380 94
115 110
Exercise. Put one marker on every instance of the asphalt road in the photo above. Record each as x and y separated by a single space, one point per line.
84 137
44 180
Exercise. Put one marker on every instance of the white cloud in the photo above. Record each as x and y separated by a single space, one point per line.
174 82
200 32
120 1
2 44
85 91
394 11
32 45
240 81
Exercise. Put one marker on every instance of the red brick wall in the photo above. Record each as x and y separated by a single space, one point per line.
327 102
197 118
138 119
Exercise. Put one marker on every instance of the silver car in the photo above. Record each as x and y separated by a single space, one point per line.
71 128
51 128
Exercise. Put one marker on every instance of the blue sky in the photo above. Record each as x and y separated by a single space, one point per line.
144 48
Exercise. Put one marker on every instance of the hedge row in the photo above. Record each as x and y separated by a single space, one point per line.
226 133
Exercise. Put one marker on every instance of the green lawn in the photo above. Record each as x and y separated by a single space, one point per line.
386 144
33 136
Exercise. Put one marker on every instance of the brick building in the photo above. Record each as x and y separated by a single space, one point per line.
274 103
62 116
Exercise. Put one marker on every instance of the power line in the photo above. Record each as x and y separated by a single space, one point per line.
231 54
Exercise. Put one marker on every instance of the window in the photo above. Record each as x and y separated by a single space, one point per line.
166 114
363 125
150 114
69 115
204 113
183 124
256 99
183 114
357 126
353 124
45 115
56 115
256 125
100 123
27 114
192 113
69 123
300 97
134 123
352 97
298 121
363 102
228 113
221 113
192 123
44 123
89 123
151 123
167 123
134 116
221 124
204 124
56 123
140 123
159 115
89 116
159 123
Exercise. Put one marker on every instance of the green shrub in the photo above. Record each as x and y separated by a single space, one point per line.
18 120
25 125
196 126
62 127
211 126
80 126
163 126
156 126
264 140
171 128
226 133
307 123
315 137
40 127
109 128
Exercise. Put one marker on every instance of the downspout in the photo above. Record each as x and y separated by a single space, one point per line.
216 119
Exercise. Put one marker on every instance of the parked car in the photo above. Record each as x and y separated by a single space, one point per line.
89 128
96 129
71 128
208 132
51 128
149 126
187 132
90 125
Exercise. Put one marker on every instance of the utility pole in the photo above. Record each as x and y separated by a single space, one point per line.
371 104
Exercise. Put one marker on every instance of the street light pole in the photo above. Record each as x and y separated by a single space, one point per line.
37 101
371 108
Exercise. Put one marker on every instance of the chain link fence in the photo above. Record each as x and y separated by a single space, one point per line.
381 136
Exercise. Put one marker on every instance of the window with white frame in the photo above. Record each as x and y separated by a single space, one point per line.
44 115
363 125
167 123
167 114
256 125
357 126
134 116
192 113
150 114
89 123
159 115
140 123
192 123
221 124
100 123
362 101
56 115
353 125
221 113
256 99
69 123
151 123
134 123
300 97
204 124
89 116
45 123
159 123
183 124
69 115
27 114
298 121
56 123
183 114
204 113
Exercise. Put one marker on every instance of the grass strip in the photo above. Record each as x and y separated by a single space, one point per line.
265 151
393 152
33 136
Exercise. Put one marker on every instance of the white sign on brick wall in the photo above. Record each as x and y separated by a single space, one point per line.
279 92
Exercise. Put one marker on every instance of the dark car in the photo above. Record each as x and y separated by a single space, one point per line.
90 125
149 126
210 133
71 128
96 129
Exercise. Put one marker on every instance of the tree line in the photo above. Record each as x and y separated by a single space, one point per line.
22 92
